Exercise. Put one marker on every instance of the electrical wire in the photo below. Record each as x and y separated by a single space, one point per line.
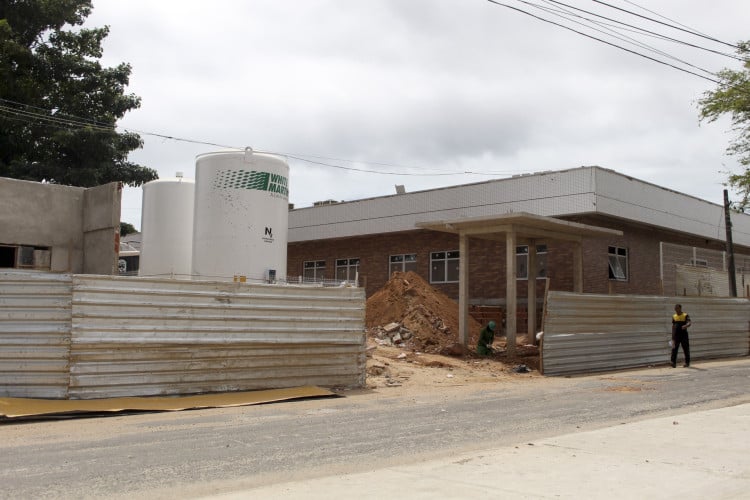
644 30
695 33
495 2
663 17
71 121
613 33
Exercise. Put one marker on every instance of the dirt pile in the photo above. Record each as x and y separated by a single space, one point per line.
426 319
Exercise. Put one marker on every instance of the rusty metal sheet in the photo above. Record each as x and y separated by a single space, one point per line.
24 407
35 319
586 333
140 336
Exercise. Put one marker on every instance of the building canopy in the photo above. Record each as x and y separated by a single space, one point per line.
514 228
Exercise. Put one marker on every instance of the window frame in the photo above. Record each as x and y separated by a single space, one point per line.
402 263
539 252
445 261
622 259
318 270
349 266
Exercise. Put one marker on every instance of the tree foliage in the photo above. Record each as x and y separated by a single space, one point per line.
732 97
58 105
127 228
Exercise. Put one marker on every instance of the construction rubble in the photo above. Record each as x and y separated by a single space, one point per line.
409 313
412 337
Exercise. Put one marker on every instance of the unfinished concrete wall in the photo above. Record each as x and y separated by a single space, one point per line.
101 228
44 215
78 225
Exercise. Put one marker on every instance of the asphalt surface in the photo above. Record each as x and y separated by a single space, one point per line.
696 455
227 451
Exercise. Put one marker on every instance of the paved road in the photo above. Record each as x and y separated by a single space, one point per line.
692 456
216 451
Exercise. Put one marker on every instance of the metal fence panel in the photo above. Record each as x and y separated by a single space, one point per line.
585 333
693 271
138 336
35 318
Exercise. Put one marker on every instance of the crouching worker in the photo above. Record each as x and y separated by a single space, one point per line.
486 338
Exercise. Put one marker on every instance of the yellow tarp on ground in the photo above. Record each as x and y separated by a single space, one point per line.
26 407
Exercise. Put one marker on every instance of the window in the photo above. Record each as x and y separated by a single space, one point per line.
7 256
444 267
404 262
618 263
26 257
314 270
522 262
699 262
347 269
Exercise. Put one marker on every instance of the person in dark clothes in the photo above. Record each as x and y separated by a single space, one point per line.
486 338
680 324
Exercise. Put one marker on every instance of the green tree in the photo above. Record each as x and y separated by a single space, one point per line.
58 105
732 97
127 228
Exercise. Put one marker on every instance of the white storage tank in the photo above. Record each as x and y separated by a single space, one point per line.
167 227
241 216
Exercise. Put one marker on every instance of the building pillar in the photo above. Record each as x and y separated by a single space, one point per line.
531 295
463 289
578 267
510 291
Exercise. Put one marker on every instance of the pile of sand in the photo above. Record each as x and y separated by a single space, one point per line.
430 315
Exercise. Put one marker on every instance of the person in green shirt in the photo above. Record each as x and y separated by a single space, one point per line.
486 337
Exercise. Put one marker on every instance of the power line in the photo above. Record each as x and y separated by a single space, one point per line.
613 33
695 33
30 116
314 162
603 41
84 123
644 30
59 116
663 17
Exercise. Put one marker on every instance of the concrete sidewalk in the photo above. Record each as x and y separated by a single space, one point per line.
698 455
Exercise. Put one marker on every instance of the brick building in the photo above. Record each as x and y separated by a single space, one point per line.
661 230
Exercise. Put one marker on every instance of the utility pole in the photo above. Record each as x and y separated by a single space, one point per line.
730 247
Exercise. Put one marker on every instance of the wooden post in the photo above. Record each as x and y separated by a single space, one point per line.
730 247
510 292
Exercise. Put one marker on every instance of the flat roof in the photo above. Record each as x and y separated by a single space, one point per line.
524 224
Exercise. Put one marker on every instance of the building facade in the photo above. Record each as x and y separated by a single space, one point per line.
374 237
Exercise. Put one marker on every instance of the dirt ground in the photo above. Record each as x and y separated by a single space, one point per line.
389 366
412 341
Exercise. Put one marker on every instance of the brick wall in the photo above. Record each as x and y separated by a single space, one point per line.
487 260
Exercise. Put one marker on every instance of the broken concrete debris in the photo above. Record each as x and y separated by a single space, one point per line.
392 334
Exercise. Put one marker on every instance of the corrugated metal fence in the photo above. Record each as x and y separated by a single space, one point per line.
133 336
706 282
35 317
585 333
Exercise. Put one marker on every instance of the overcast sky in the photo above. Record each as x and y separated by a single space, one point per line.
419 87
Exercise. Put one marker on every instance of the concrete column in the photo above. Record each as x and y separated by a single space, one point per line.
531 295
510 291
463 289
